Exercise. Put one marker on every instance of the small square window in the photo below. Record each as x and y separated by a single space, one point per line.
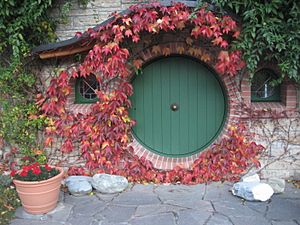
85 89
263 89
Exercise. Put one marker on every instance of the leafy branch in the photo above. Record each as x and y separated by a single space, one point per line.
271 32
23 25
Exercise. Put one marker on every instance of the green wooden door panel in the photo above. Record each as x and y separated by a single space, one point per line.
174 133
192 110
165 101
197 92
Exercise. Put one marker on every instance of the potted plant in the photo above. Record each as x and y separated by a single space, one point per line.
37 183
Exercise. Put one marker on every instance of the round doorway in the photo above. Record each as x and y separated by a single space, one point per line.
179 105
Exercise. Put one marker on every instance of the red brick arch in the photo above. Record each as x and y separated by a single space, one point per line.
230 87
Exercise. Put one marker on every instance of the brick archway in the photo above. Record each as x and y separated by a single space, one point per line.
233 97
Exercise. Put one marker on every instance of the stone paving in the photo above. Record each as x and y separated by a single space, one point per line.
211 204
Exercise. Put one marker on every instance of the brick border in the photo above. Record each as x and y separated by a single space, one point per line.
176 48
76 108
233 104
288 95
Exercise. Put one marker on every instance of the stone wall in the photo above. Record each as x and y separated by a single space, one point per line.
81 18
281 137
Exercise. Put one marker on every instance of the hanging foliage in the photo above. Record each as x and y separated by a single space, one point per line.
270 33
105 132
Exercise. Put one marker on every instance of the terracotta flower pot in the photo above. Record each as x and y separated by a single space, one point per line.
39 197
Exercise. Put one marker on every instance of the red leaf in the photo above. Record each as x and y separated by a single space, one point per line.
236 34
137 63
78 34
156 49
220 67
128 33
135 38
127 21
206 31
224 44
105 36
196 32
74 74
217 41
166 51
223 56
67 146
150 16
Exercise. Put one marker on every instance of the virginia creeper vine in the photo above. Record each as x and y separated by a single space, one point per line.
104 133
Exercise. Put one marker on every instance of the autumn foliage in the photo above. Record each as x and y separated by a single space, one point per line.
103 134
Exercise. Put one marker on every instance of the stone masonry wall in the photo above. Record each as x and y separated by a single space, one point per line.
81 18
281 138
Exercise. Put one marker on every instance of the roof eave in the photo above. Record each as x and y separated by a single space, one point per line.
76 40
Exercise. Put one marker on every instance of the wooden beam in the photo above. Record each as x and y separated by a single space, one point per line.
67 52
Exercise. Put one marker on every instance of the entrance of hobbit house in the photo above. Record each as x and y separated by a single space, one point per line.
192 81
179 105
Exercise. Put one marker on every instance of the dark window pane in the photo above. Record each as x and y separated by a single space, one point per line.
262 88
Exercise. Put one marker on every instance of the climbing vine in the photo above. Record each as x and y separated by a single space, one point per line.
103 134
23 25
270 33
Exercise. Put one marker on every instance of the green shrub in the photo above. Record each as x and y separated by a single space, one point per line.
9 200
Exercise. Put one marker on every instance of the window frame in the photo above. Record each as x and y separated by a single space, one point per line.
276 97
79 99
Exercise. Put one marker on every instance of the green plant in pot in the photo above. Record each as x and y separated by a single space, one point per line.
37 183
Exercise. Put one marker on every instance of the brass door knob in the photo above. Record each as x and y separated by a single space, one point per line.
174 107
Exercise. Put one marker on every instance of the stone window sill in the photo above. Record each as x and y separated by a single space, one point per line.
80 108
272 109
268 105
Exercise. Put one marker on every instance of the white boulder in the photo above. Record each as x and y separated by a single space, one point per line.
79 185
253 191
109 184
277 184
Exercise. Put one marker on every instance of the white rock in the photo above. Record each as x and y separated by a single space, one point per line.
253 191
79 185
109 184
250 178
277 184
78 178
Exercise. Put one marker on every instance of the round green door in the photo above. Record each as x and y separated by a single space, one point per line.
179 106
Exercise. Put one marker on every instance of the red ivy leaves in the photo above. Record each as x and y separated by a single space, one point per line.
103 134
137 63
229 63
224 161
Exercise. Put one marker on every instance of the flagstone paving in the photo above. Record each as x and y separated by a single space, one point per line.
201 204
